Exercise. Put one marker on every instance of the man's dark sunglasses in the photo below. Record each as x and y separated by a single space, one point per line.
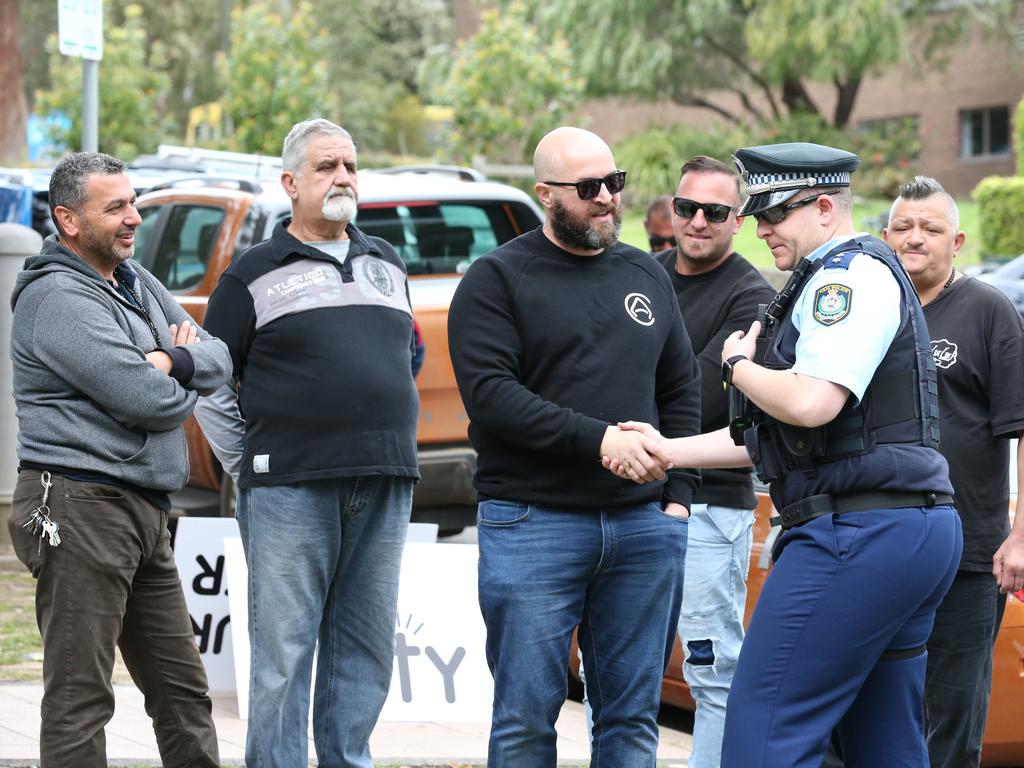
588 189
777 213
657 242
715 213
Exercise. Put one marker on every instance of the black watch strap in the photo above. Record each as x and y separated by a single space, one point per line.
727 368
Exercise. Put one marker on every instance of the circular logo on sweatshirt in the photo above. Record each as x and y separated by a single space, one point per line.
375 275
638 307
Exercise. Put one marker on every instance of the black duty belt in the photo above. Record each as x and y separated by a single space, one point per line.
825 504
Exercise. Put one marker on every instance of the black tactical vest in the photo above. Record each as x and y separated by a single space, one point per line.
899 408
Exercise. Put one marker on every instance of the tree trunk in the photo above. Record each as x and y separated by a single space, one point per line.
13 108
795 96
846 93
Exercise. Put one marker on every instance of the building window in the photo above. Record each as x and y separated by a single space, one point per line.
985 133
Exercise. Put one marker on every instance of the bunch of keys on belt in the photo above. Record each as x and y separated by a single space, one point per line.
39 522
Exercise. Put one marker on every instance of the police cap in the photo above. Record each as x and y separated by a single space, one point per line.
774 173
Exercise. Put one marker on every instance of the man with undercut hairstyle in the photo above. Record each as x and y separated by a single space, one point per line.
977 342
555 336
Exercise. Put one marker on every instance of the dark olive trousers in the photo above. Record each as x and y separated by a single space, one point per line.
111 582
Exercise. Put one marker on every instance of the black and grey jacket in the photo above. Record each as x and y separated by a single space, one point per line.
322 356
86 396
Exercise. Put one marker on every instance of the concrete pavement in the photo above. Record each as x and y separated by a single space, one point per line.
130 735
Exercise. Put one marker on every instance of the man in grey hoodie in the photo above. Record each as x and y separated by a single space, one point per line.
107 367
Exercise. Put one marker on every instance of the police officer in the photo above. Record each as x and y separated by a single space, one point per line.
841 419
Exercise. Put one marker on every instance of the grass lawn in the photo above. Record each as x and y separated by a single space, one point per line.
866 213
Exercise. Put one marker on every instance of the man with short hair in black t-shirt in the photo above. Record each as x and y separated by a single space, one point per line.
719 293
978 347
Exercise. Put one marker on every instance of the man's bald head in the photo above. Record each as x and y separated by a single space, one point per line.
562 151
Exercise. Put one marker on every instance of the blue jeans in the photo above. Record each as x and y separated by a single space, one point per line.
959 676
324 560
711 618
837 638
616 573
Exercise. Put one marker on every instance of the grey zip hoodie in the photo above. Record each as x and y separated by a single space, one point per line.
86 396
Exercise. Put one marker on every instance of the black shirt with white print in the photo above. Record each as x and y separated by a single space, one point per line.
978 346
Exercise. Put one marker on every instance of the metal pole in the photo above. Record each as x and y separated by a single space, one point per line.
90 105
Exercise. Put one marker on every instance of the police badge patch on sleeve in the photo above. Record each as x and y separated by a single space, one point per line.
832 303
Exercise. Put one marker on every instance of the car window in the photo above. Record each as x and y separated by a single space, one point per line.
184 249
144 232
444 237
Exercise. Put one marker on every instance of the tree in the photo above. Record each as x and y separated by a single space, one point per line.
509 86
133 86
379 45
188 36
13 109
760 52
274 76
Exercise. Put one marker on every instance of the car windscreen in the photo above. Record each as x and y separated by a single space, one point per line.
439 237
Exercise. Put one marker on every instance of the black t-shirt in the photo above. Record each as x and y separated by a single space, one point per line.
978 346
549 349
714 305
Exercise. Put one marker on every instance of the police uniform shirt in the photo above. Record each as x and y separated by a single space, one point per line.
847 314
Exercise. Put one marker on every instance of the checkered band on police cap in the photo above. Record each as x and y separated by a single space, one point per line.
774 173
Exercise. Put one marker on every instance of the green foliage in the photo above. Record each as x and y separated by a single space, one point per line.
509 86
133 88
1018 136
274 76
653 158
757 54
1000 201
888 151
376 50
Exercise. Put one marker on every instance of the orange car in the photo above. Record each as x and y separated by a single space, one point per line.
1003 743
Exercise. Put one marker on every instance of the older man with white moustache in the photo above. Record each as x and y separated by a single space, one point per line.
319 325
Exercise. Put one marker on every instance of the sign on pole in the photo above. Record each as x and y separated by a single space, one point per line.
80 28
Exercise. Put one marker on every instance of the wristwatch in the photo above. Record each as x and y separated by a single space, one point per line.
727 367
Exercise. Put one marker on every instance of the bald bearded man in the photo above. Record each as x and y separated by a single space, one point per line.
555 337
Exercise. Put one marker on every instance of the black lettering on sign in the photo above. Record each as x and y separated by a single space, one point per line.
208 581
203 632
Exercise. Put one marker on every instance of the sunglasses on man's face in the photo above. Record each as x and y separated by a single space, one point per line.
660 242
779 212
715 213
588 189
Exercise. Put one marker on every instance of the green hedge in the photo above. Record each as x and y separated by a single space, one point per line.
1000 202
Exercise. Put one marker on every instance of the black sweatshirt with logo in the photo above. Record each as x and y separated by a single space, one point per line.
549 349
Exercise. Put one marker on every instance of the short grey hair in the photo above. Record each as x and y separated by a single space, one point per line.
294 150
67 182
921 188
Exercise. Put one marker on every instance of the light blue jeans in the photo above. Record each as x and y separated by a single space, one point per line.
614 572
711 618
324 559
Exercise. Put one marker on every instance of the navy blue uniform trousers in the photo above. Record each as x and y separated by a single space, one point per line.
845 590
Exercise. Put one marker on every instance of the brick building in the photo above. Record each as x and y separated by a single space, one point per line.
963 110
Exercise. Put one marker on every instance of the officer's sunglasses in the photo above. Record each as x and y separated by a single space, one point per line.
715 213
588 189
657 242
777 213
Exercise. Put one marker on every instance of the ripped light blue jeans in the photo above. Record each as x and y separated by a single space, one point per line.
711 618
